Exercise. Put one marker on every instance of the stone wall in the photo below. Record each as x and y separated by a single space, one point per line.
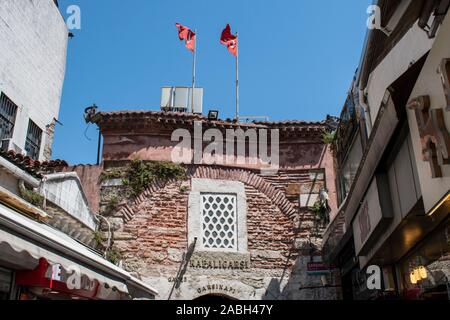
151 232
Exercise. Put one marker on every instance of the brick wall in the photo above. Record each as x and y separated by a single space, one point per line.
151 233
159 232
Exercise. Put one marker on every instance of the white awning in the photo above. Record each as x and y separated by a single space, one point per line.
10 244
29 241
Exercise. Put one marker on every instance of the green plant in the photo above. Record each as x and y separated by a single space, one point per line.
98 237
113 203
32 197
140 174
110 174
328 137
184 189
113 255
320 211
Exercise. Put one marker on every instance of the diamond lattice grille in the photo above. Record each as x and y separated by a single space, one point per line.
219 221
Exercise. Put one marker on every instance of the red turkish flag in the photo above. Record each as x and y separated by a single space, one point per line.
229 40
188 35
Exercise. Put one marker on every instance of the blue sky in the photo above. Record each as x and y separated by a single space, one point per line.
297 59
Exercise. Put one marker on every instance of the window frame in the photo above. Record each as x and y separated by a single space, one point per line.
200 187
35 143
5 103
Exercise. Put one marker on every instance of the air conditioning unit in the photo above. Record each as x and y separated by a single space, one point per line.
182 99
7 145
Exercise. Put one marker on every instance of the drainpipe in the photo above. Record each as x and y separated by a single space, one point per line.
99 146
98 218
19 173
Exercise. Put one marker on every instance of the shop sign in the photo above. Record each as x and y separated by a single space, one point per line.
434 137
72 278
364 222
444 70
318 268
56 278
373 213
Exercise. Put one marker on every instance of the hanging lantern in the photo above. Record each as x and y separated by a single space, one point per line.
422 272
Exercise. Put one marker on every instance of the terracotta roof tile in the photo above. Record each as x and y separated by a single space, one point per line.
33 167
187 118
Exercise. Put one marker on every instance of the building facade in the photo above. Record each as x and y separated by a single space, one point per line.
33 46
392 160
50 247
216 229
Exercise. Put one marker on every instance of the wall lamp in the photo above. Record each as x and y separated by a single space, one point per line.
213 115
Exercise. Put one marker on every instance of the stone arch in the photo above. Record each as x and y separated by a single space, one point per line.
217 173
231 289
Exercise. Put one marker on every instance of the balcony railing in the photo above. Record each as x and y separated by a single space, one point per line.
348 127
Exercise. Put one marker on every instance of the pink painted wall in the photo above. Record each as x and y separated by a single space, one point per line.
293 155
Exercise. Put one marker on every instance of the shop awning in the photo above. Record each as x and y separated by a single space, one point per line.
31 254
24 242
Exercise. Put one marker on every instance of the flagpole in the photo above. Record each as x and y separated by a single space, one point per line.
194 65
237 77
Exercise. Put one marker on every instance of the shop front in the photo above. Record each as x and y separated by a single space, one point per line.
425 270
424 274
39 262
54 282
6 281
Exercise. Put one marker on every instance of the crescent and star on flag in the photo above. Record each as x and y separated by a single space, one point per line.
189 36
229 40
